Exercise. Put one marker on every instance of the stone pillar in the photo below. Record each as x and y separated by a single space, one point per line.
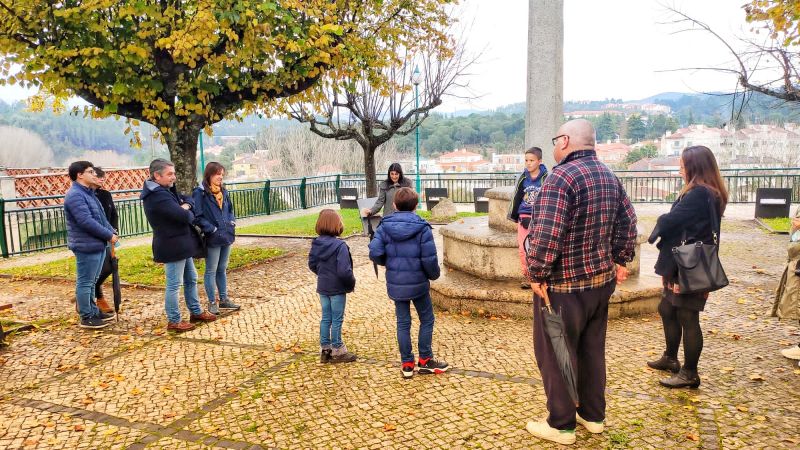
545 99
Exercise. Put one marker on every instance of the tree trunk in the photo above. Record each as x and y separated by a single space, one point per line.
369 170
182 145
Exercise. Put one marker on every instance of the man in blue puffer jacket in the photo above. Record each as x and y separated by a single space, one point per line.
404 244
88 235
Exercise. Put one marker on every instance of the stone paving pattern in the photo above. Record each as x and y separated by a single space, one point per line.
252 379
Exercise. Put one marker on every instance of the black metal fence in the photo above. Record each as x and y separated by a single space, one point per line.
41 228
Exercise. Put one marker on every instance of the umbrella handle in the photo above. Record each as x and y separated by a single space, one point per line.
546 299
113 251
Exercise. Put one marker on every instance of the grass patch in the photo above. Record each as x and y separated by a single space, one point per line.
778 224
304 225
136 265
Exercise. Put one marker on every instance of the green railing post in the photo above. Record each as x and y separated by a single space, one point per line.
336 187
303 193
3 242
265 196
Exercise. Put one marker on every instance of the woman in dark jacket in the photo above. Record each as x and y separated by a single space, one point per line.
213 212
386 190
690 219
107 202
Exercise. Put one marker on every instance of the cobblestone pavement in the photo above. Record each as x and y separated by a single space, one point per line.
252 379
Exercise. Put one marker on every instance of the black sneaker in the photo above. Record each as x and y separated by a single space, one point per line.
93 323
229 305
325 356
429 365
345 357
106 317
408 369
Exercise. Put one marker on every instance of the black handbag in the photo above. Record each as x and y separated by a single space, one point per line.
699 268
202 245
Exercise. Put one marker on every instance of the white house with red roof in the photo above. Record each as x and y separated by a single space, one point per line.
462 160
612 153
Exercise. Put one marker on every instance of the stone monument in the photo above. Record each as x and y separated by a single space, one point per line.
545 93
482 271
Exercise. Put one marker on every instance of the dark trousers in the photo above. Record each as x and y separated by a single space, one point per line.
585 316
104 273
402 309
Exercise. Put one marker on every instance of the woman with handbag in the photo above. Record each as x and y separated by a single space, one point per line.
694 217
214 215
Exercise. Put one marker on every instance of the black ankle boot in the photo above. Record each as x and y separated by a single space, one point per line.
665 363
684 378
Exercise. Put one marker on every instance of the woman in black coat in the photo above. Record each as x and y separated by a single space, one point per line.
690 219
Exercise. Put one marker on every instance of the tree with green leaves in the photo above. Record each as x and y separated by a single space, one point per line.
645 151
183 65
636 129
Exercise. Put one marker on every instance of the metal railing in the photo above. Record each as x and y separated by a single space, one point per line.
35 229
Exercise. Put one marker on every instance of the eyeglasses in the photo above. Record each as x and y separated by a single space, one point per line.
555 139
91 171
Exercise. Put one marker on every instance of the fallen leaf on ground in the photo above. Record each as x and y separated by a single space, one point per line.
756 377
169 415
693 437
389 427
742 408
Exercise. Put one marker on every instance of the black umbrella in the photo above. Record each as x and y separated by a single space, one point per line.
115 283
554 326
371 234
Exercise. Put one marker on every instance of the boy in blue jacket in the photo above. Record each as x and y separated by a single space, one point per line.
404 244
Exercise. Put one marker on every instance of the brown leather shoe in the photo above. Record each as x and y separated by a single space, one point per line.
180 327
205 316
103 306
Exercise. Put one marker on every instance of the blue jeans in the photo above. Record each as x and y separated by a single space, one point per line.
181 273
88 267
330 326
215 278
424 309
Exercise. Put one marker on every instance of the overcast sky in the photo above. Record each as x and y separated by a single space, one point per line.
612 49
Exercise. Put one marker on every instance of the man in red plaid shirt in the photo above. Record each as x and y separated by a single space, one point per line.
582 234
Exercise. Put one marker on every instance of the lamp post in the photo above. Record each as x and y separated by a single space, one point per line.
202 155
416 78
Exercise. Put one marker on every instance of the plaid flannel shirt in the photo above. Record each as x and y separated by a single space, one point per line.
584 223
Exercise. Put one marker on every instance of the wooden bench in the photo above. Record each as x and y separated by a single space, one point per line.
348 198
433 195
480 200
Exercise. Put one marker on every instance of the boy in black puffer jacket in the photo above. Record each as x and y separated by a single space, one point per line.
404 244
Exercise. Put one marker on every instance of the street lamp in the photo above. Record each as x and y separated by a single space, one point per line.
416 78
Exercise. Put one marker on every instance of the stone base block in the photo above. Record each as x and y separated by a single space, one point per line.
459 291
471 246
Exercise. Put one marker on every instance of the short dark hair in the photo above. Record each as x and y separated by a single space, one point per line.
329 223
535 151
212 169
405 199
99 172
77 168
159 164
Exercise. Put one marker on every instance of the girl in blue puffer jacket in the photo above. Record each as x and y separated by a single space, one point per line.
330 260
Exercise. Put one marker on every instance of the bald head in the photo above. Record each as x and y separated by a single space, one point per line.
580 132
574 135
